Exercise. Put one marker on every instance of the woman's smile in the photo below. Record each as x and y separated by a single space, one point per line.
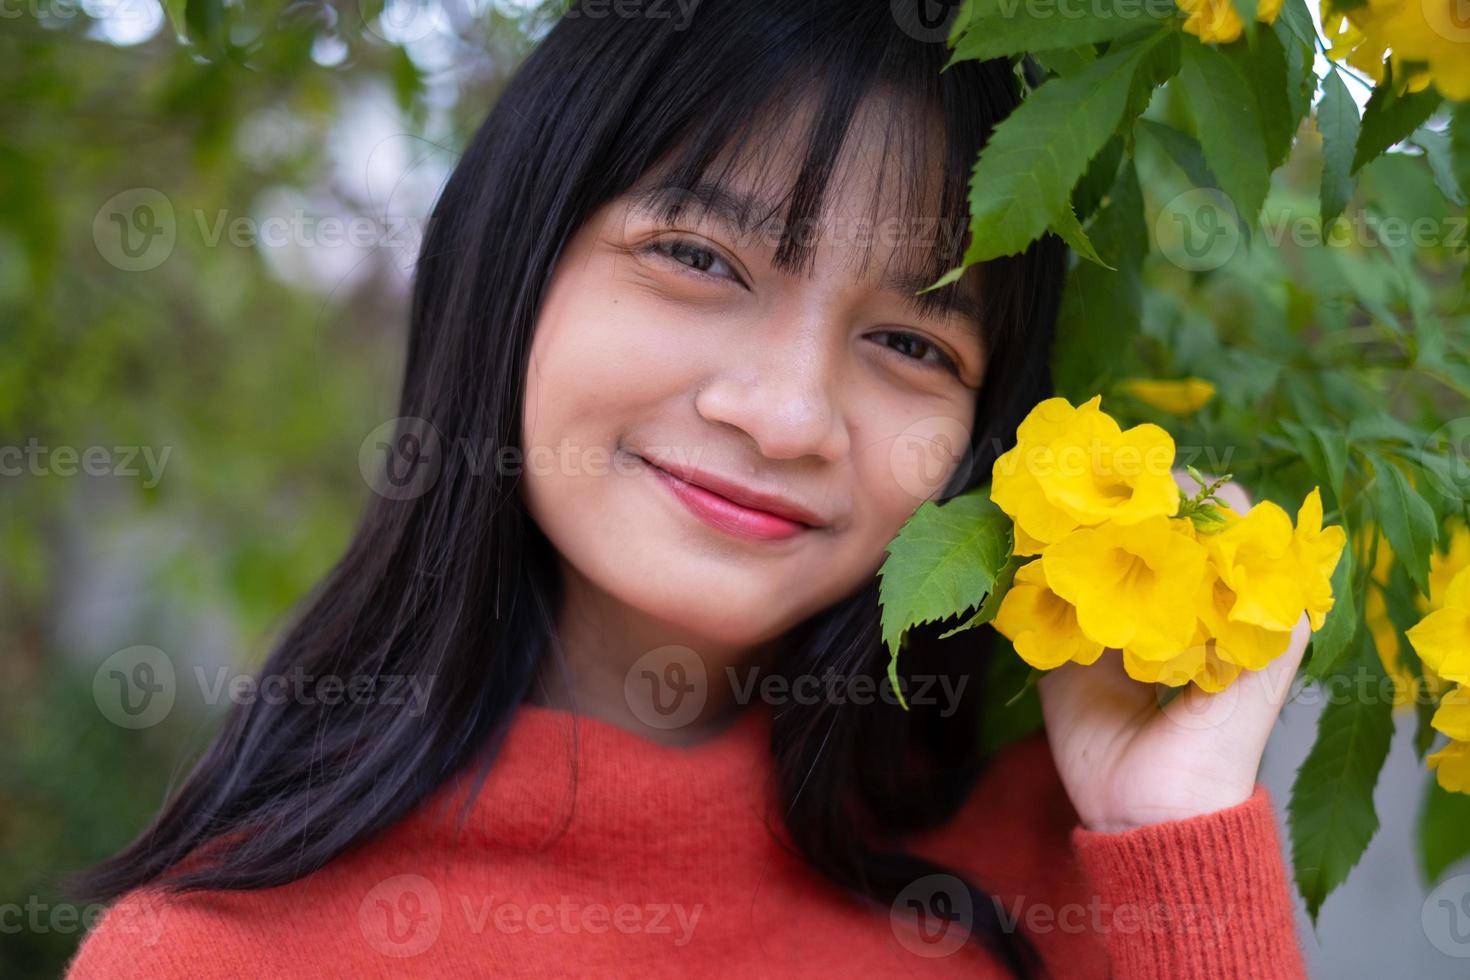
711 499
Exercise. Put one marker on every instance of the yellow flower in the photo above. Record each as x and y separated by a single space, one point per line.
1442 638
1445 565
1134 587
1318 550
1041 625
1199 663
1453 766
1233 641
1430 34
1215 21
1176 397
1276 571
1453 715
1386 635
1075 467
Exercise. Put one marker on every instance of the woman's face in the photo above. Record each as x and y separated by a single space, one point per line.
676 350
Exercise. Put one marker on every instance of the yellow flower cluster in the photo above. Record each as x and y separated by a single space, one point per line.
1425 41
1118 566
1442 641
1215 21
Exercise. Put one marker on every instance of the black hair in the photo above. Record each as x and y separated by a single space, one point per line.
433 580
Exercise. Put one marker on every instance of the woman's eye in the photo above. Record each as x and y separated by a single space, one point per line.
916 348
694 256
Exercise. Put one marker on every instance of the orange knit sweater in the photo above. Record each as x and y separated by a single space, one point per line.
662 865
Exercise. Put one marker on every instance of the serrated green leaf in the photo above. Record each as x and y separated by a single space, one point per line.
1325 452
1228 125
1389 119
1337 121
1067 227
1406 518
944 561
1444 830
991 605
1293 27
1025 175
998 28
1331 812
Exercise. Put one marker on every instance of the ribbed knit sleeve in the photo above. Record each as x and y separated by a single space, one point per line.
1202 898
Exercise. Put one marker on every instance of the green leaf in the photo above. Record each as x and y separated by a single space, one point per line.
1066 61
1444 829
1246 11
1389 119
1101 309
1070 231
1460 145
944 560
1183 149
175 10
1342 622
1436 147
991 605
1024 178
997 28
1337 121
1228 124
1325 452
1098 179
1263 65
1293 27
1406 519
1331 811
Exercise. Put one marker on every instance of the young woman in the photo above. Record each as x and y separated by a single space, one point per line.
669 393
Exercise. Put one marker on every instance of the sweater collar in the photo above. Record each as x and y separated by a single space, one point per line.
578 784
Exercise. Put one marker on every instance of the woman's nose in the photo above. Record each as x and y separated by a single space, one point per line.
784 396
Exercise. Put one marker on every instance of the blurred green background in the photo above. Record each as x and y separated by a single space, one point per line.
206 249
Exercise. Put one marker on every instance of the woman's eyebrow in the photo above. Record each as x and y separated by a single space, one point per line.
742 211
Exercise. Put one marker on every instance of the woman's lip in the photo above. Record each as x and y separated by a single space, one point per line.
725 514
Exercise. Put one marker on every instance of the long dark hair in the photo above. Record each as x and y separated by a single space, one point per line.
457 587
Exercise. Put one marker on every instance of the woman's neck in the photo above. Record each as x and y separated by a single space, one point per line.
612 663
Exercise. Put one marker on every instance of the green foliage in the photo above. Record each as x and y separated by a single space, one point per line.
1443 818
1331 807
1320 286
944 561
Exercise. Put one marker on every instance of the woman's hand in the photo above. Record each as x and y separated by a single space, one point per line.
1126 762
